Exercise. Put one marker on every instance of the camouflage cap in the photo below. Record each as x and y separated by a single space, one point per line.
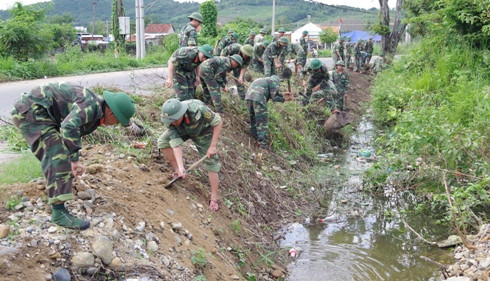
247 50
305 32
315 64
207 50
281 30
196 16
252 32
172 110
235 35
237 58
121 105
340 62
266 43
283 40
341 38
263 30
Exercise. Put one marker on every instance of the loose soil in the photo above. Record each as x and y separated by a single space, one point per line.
238 239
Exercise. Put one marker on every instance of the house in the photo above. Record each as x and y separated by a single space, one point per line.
314 31
154 33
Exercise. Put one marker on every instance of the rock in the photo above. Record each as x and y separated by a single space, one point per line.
62 275
458 256
277 273
102 248
115 263
484 264
33 243
48 276
82 260
165 261
450 241
91 192
152 246
234 277
91 270
162 225
93 169
177 239
150 236
84 195
170 212
4 230
458 279
109 224
52 229
141 226
7 250
19 207
464 267
176 226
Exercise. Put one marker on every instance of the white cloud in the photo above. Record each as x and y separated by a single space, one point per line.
7 4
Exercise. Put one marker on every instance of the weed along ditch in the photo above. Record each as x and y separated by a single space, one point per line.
355 235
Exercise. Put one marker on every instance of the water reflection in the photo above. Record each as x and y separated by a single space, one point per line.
365 242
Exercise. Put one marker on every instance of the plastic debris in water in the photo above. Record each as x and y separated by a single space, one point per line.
365 153
331 218
293 252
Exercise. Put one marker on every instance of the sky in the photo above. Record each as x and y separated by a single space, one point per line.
6 4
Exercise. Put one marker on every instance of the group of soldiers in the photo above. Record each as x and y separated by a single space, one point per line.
361 51
54 116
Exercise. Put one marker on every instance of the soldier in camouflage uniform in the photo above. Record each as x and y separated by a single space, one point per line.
257 61
250 40
192 119
368 48
183 68
341 80
318 87
246 52
379 63
303 43
300 60
260 38
52 118
224 42
348 52
280 32
338 50
213 77
358 56
259 93
189 30
272 56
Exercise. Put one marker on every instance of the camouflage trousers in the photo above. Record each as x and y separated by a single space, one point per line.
324 98
202 144
46 143
211 92
312 83
269 67
259 122
357 63
347 61
258 66
240 87
184 85
339 100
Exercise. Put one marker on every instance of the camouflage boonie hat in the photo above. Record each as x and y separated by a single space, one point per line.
237 58
263 30
315 64
252 32
283 40
340 62
266 43
207 50
281 30
172 110
235 35
196 16
247 50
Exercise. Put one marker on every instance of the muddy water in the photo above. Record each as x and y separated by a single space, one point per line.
363 238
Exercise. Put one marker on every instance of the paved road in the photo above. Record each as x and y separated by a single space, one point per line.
134 81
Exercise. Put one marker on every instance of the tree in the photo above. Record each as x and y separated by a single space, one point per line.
22 36
209 14
62 34
328 36
61 19
100 27
117 11
390 38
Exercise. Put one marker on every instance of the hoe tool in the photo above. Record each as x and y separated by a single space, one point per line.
186 171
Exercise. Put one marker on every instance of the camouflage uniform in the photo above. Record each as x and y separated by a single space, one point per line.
368 48
348 53
187 32
52 118
258 39
234 49
223 43
272 51
259 49
304 44
213 77
320 77
379 65
185 61
341 81
249 41
259 93
337 47
357 56
297 49
197 125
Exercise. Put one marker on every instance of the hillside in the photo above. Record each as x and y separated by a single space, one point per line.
290 13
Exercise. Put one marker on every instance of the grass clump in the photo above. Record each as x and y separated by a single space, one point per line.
22 169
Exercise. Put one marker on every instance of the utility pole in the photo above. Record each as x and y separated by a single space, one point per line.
93 24
273 17
140 29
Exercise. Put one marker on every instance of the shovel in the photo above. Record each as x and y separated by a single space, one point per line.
186 171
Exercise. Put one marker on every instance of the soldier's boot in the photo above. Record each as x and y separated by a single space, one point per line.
61 217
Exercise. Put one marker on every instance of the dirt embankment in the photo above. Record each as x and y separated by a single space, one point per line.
150 231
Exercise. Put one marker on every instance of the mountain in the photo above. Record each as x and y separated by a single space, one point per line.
289 13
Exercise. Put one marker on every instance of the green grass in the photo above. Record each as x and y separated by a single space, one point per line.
23 169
